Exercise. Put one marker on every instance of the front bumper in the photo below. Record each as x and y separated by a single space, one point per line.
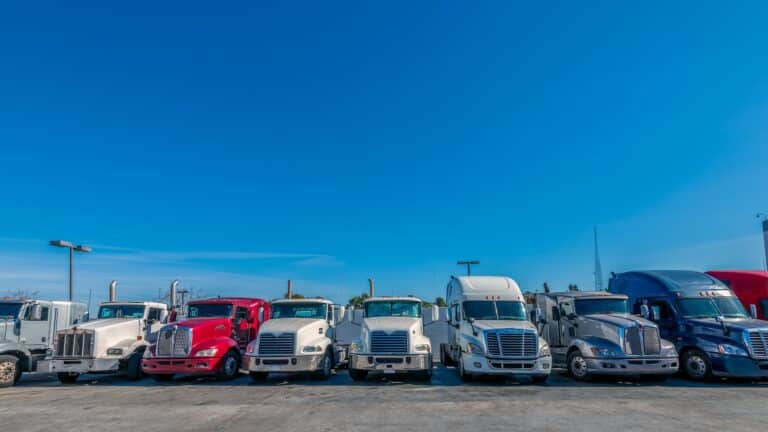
395 363
180 365
302 363
737 366
481 365
633 366
85 365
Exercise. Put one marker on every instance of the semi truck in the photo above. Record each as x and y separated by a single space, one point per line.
489 331
750 286
712 332
300 337
593 333
391 340
211 340
113 343
27 332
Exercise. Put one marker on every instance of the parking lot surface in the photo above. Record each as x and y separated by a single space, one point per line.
40 403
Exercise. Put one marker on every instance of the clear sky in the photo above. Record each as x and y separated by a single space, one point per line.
235 146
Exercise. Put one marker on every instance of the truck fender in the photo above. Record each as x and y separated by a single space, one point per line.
19 351
585 345
223 344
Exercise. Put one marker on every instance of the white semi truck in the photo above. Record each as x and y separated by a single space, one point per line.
112 343
27 331
392 339
300 336
490 333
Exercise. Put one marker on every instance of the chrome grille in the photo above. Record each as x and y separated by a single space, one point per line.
758 343
651 341
77 344
642 341
173 342
395 342
277 345
512 344
632 342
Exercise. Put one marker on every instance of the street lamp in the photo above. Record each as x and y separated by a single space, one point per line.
469 264
72 248
764 217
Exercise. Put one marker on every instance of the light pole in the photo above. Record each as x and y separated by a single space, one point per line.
764 217
469 264
72 248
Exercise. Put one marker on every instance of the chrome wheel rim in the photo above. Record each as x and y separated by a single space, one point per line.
7 371
578 366
696 366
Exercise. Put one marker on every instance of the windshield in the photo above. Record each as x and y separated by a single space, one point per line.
9 310
601 306
299 310
728 307
210 310
494 310
121 311
394 308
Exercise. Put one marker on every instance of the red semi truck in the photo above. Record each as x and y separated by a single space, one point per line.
750 286
211 340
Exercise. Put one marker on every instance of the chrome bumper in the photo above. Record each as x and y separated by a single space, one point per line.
85 365
390 363
303 363
633 366
482 365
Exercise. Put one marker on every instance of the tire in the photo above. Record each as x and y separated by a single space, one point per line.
463 375
230 367
162 377
539 379
695 365
258 377
10 370
358 375
577 366
133 367
326 367
67 378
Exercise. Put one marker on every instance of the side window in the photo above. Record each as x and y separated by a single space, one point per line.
241 313
661 310
44 313
555 313
764 307
567 308
154 314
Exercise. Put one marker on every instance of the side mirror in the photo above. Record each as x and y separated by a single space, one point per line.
251 316
539 316
261 314
471 320
36 313
753 311
435 313
723 325
172 316
645 311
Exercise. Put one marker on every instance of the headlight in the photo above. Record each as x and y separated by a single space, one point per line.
355 347
312 349
544 350
115 351
603 352
475 349
210 352
731 350
250 349
422 347
148 353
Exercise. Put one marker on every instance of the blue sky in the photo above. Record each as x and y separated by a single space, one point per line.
236 146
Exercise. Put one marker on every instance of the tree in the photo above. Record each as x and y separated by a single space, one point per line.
573 287
294 296
440 302
357 301
20 294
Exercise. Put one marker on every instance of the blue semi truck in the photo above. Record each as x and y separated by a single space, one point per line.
712 331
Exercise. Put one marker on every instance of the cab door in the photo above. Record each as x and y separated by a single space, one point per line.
242 328
567 322
36 325
663 315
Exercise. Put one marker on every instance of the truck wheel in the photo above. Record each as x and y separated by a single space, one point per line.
357 374
67 378
133 367
463 375
258 377
230 366
577 366
695 365
162 377
10 370
324 372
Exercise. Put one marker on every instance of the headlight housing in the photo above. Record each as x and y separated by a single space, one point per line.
355 347
604 352
250 349
210 352
115 351
544 350
728 349
312 349
422 348
475 348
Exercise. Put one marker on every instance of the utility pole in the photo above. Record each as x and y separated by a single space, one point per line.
469 264
598 267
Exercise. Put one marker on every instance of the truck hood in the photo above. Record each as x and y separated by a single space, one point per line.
110 332
392 323
110 324
619 320
738 324
205 328
291 325
503 324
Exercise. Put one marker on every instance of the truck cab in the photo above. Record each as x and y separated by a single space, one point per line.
27 331
489 331
112 343
751 287
710 328
392 340
299 337
212 338
593 333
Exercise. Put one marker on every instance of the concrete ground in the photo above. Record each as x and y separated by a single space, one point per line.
40 403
